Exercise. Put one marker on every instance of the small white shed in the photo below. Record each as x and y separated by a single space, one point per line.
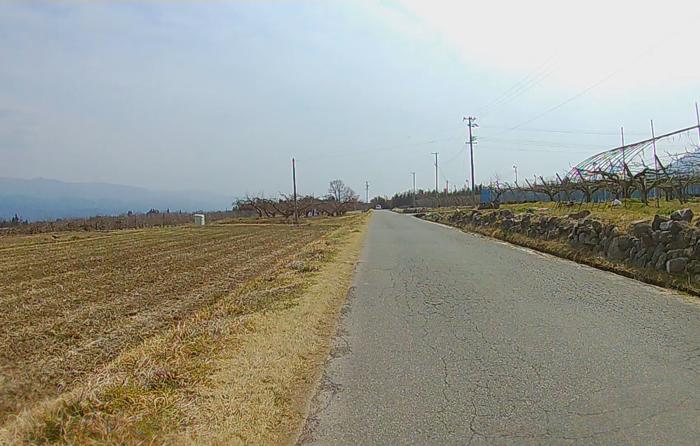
199 219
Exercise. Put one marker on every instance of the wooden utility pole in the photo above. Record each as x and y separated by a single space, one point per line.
294 180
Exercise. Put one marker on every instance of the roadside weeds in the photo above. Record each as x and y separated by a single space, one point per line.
264 390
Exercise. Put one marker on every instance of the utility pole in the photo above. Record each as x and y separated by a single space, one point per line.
447 187
294 180
656 163
622 135
471 122
624 161
697 116
515 169
367 192
653 143
414 188
436 171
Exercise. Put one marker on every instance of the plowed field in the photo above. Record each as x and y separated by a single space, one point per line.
69 305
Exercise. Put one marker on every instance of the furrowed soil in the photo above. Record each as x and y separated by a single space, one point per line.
115 337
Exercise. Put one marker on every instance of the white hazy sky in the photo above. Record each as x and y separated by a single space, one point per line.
220 95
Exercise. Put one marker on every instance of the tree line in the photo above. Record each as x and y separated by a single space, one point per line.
428 198
618 184
339 200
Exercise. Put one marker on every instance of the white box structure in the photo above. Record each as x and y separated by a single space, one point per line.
199 219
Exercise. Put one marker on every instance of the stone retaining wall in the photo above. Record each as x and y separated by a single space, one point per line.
664 244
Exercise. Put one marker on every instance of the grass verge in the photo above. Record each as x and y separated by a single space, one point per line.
262 391
621 216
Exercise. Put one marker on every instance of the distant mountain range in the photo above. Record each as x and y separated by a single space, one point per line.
45 199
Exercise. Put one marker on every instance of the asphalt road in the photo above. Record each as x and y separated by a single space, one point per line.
451 338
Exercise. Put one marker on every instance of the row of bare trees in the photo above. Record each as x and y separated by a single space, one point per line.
339 200
130 220
620 184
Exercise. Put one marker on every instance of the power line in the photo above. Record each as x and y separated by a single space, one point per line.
565 131
538 142
579 94
543 150
524 81
456 155
346 153
520 88
379 149
552 149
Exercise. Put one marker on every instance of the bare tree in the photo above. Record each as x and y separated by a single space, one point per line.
340 192
548 188
341 197
283 206
644 182
340 200
499 188
259 205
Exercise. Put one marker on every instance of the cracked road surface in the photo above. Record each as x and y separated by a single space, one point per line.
451 338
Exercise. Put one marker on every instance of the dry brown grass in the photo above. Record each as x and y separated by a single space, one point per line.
261 392
117 338
621 216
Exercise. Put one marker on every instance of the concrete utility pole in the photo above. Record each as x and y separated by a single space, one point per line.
622 136
656 163
471 122
515 169
366 191
624 161
436 171
294 180
447 187
653 144
414 188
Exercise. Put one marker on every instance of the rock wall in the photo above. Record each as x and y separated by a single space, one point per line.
667 244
